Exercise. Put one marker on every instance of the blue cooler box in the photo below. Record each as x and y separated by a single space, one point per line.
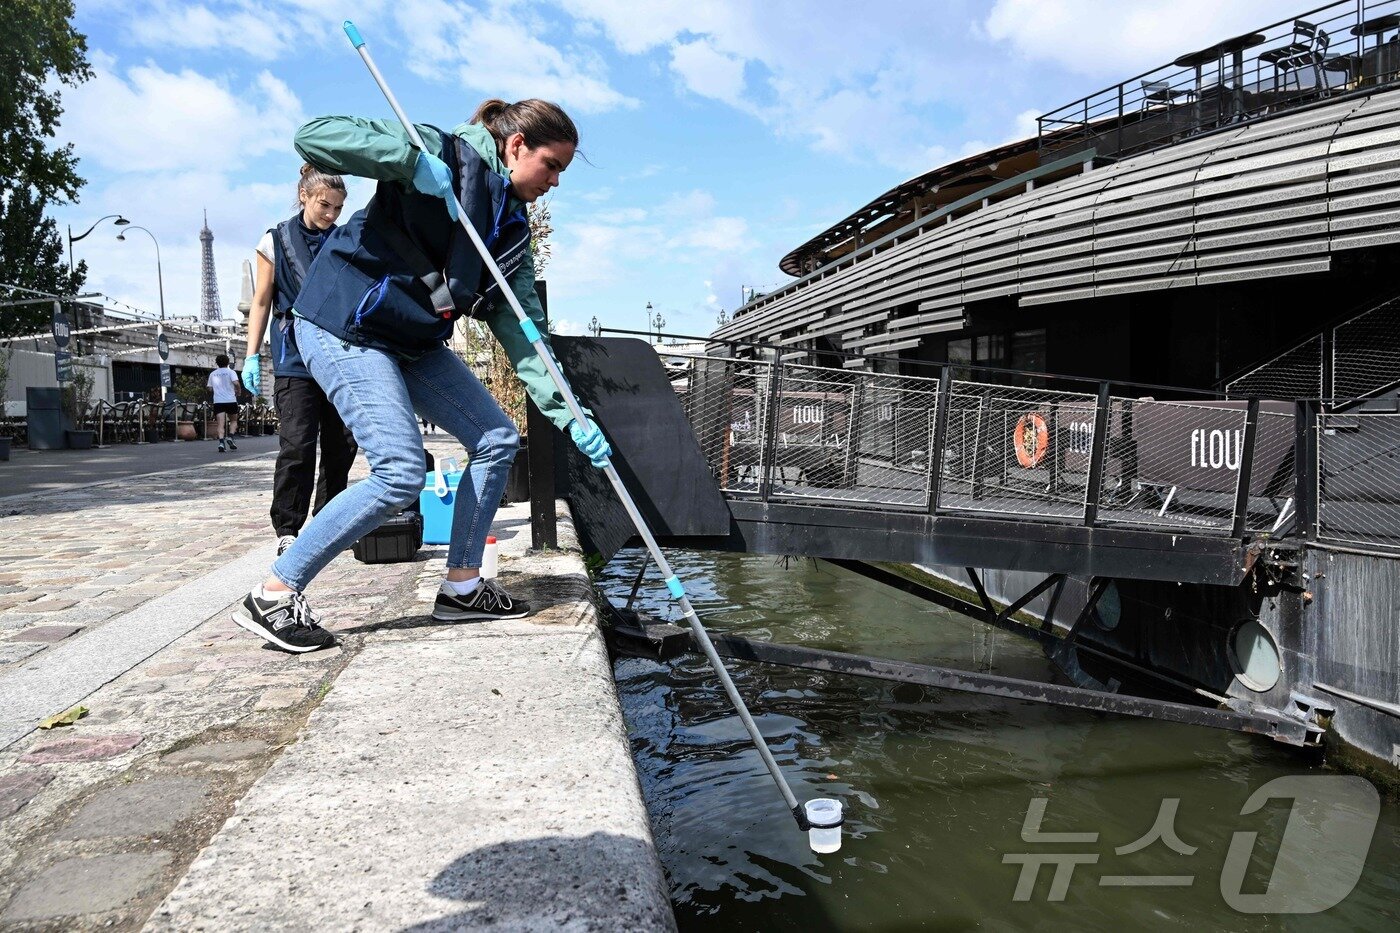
437 510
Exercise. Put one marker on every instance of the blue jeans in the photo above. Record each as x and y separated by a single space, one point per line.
377 396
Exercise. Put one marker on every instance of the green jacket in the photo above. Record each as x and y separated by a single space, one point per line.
380 149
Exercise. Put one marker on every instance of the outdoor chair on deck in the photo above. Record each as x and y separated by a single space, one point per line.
1162 94
1289 60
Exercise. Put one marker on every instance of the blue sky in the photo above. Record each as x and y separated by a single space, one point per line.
719 134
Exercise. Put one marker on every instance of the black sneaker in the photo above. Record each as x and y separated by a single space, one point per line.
488 601
221 447
286 622
231 444
285 542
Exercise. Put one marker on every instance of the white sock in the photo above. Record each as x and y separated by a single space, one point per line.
265 593
463 587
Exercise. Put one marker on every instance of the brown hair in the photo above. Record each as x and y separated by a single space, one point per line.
540 121
313 180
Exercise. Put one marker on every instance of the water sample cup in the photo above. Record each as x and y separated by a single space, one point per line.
824 819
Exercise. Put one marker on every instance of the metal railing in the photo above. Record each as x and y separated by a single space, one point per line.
962 440
1357 483
1328 50
1354 359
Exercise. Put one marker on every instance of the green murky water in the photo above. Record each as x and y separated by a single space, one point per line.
937 785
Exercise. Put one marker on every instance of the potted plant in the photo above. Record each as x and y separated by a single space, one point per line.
188 392
77 399
4 415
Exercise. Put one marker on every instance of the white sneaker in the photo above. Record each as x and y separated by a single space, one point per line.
285 542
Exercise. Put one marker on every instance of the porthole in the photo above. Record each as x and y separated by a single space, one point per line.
1255 657
1108 611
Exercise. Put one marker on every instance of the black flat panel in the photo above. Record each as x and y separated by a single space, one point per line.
622 381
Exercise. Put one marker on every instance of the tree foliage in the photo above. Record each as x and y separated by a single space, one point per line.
39 49
39 52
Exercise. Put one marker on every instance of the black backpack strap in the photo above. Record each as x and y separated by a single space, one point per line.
292 246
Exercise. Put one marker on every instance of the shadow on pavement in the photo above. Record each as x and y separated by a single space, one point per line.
554 882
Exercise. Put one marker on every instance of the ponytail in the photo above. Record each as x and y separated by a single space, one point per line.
539 121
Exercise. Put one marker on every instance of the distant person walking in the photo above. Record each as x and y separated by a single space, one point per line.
223 382
304 413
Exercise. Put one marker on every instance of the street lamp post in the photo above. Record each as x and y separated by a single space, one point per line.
120 221
160 278
594 327
722 318
654 321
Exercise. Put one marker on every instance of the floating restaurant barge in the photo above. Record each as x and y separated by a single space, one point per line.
1136 380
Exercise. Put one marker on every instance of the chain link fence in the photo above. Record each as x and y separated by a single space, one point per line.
1358 499
726 402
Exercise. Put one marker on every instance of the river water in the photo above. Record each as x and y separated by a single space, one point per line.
937 785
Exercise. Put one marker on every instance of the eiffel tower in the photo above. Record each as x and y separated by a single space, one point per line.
209 308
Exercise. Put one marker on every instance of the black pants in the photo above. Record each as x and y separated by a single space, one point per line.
303 412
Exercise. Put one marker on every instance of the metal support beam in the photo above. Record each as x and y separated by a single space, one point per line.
1032 593
1277 727
1246 471
1094 484
982 594
940 436
770 430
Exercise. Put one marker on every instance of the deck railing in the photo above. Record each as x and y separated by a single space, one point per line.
1340 47
961 440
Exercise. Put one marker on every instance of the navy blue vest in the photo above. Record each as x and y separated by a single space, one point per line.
365 291
293 252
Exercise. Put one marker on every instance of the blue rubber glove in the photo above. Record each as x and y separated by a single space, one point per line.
252 374
591 441
432 176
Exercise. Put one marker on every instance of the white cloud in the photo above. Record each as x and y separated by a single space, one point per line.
497 50
1117 39
251 30
567 328
148 119
708 71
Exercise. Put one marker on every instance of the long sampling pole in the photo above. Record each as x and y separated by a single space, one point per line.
532 333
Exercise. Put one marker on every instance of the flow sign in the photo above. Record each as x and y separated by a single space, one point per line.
60 326
163 347
63 366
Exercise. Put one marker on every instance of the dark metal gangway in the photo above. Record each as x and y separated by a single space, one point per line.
992 468
962 467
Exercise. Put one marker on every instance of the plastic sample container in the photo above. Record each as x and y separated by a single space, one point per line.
490 557
824 819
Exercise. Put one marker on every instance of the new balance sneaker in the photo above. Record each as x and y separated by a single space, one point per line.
286 622
488 601
221 448
285 542
231 444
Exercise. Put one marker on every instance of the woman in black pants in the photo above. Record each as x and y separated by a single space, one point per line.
303 411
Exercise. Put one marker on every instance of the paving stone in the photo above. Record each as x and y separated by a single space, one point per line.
11 652
141 809
81 748
18 788
214 752
168 669
47 634
79 886
50 605
280 698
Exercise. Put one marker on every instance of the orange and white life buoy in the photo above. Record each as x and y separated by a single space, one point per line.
1031 439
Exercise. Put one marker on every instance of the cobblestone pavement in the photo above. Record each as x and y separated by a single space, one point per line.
98 820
